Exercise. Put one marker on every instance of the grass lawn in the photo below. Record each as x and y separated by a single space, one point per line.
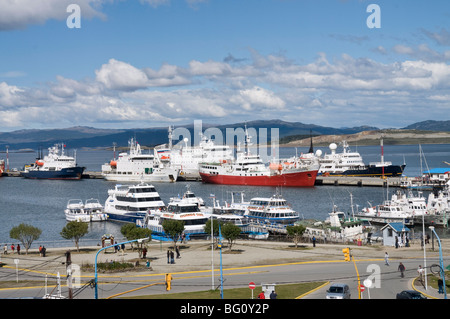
287 291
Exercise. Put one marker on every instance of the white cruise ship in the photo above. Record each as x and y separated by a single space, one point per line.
187 158
128 203
136 166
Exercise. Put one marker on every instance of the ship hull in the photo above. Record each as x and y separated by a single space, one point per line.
297 179
371 171
65 173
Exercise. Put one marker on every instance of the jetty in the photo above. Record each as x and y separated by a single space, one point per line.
358 181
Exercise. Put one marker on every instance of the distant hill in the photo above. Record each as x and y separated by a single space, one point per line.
89 137
443 126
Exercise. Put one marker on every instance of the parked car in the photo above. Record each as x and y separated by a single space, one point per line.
338 291
410 294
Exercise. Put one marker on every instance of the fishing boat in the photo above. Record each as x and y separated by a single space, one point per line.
339 228
90 211
129 203
249 169
349 163
55 165
137 166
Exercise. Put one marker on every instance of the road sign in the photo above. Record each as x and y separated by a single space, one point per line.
362 288
252 285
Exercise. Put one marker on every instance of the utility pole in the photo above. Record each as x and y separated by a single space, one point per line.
69 273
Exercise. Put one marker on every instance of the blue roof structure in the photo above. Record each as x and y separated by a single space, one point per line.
398 227
442 170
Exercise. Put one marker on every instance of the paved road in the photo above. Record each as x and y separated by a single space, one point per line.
386 279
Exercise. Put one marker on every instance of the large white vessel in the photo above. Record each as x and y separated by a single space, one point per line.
128 203
136 166
55 165
400 208
271 210
91 211
187 158
194 220
249 169
348 163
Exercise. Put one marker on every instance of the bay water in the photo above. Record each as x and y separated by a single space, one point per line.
41 203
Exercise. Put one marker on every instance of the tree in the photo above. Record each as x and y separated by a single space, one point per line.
230 232
26 234
133 232
215 225
296 233
74 230
173 229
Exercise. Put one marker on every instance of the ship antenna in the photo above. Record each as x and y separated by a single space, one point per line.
311 149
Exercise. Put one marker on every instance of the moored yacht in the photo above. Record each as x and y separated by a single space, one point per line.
349 163
128 203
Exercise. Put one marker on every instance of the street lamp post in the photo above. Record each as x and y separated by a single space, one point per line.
441 261
96 255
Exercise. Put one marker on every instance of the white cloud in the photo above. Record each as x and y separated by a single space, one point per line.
325 92
117 75
18 14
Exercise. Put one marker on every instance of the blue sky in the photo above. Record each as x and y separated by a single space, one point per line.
144 63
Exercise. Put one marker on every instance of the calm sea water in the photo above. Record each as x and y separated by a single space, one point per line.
41 203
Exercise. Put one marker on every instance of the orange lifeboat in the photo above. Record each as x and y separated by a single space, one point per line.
274 166
113 163
40 163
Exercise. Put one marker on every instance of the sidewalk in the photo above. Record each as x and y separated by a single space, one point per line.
430 292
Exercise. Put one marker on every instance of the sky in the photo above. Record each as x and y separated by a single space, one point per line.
149 63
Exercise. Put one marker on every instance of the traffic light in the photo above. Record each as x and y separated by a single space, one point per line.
168 280
346 252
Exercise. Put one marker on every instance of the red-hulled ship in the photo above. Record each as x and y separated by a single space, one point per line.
249 169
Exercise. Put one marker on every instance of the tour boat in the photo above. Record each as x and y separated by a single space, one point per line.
128 203
91 211
194 220
271 210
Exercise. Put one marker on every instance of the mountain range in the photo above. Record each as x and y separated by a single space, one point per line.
89 137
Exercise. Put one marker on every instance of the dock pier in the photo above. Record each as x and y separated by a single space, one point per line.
320 180
358 181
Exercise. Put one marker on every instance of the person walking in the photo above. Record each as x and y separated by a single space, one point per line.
168 256
273 295
261 295
18 249
401 268
5 250
12 248
172 255
420 273
386 258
